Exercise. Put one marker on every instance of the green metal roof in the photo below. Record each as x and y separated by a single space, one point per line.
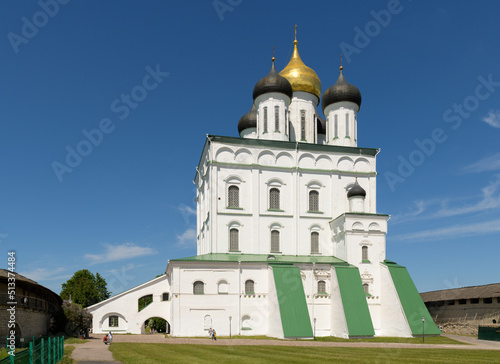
293 145
292 302
262 258
413 306
357 314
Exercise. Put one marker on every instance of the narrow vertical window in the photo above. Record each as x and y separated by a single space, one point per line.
286 122
346 125
314 201
336 126
302 124
265 119
314 242
321 287
274 199
277 118
234 240
233 198
275 241
364 253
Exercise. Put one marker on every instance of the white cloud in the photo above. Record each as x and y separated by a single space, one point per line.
45 274
491 163
454 231
441 208
119 252
187 237
418 208
488 202
493 118
187 212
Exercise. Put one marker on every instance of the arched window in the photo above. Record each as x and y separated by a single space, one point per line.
274 199
233 196
364 253
249 287
321 287
222 287
314 242
275 241
366 288
207 322
277 118
234 236
198 287
313 200
347 125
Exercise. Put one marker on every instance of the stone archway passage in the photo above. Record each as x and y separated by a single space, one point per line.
155 324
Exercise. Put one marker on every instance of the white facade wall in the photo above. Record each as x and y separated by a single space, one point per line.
125 306
295 173
194 314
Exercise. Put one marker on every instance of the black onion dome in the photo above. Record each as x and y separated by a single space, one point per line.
321 124
273 82
356 190
249 120
341 91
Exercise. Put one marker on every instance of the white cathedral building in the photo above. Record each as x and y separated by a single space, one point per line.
289 241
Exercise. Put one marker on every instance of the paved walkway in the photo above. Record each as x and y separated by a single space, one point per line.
95 352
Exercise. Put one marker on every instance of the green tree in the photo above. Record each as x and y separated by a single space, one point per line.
85 289
77 318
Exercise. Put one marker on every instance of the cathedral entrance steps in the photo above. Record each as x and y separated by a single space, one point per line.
293 310
357 314
417 315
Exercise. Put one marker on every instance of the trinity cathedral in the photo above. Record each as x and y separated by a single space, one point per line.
289 240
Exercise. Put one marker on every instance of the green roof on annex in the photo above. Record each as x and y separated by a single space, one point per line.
262 258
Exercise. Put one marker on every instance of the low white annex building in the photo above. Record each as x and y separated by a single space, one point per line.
290 243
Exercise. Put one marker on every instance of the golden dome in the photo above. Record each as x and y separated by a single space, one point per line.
301 77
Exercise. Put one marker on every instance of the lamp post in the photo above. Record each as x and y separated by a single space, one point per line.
314 333
230 326
423 329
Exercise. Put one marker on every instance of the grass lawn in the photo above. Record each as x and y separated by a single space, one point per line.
75 340
399 340
184 353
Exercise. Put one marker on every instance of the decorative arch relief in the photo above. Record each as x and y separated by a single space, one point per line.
225 155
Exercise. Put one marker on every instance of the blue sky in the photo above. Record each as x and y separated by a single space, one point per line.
428 72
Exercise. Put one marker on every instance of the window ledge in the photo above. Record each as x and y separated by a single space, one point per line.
235 251
365 261
246 328
234 208
223 293
276 210
315 212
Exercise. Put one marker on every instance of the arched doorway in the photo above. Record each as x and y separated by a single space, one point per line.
155 325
